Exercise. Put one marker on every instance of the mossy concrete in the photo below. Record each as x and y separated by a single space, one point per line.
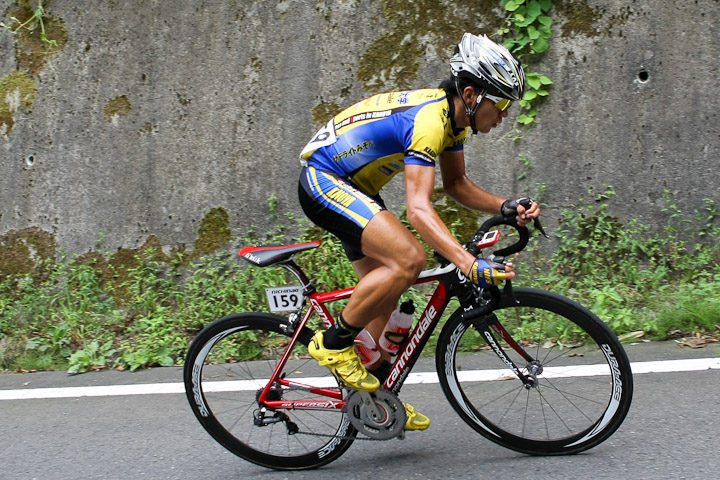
17 94
31 250
213 233
393 61
580 17
117 107
31 50
24 251
220 97
323 112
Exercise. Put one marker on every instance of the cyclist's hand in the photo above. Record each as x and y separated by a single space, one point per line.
486 274
525 209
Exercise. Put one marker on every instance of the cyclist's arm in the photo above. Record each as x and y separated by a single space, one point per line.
419 186
466 192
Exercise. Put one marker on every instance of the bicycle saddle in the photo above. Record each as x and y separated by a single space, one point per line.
264 256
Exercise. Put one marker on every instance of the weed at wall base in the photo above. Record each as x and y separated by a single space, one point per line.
72 317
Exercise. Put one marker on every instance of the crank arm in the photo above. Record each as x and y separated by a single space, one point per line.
369 404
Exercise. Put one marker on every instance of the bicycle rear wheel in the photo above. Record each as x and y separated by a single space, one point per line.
584 385
228 365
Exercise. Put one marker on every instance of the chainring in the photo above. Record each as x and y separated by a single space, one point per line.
379 415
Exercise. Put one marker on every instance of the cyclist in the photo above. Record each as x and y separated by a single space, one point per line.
362 148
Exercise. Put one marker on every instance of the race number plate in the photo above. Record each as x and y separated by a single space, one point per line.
284 299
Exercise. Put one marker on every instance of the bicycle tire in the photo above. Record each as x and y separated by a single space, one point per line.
229 363
581 397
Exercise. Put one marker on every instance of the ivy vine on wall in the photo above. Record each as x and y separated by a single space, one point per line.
531 27
31 23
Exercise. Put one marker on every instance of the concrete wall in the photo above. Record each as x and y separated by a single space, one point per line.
151 113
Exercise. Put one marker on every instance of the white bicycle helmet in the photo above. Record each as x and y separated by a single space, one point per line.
488 65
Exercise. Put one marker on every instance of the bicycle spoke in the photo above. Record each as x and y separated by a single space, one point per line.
567 394
509 407
542 398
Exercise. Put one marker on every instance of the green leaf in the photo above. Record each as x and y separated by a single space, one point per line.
545 30
545 20
533 81
545 5
512 5
542 93
533 33
524 23
166 361
525 119
545 80
530 95
522 42
540 45
534 9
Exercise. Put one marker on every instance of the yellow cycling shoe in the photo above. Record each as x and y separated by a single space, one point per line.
415 420
344 364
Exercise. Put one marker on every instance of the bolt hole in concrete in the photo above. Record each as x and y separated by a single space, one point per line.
30 160
643 76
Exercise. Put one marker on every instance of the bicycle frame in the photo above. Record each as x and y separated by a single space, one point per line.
446 277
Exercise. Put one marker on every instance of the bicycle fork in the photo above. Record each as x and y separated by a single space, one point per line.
485 321
485 327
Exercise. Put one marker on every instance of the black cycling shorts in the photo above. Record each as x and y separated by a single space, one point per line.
339 207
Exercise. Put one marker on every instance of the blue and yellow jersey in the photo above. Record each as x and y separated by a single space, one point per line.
372 141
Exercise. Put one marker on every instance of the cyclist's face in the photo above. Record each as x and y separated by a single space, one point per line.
488 116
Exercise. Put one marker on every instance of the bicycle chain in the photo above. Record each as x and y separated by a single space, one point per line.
357 436
346 437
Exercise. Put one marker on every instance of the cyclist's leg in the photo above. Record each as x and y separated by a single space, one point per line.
375 326
364 224
381 368
337 206
397 258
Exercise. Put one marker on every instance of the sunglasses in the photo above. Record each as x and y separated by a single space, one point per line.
501 104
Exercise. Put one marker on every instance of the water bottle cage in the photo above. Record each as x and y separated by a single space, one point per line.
396 338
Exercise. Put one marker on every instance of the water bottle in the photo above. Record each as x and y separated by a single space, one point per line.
366 348
397 328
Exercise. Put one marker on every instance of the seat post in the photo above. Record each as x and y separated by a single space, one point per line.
292 267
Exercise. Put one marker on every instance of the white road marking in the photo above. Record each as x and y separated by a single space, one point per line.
687 365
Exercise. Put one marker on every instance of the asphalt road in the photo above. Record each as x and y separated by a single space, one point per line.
672 431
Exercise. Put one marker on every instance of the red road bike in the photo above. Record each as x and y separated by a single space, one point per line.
528 369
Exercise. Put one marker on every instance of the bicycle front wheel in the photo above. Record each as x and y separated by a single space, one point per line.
582 383
227 367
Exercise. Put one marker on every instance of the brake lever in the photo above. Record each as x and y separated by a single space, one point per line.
508 290
527 203
538 225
